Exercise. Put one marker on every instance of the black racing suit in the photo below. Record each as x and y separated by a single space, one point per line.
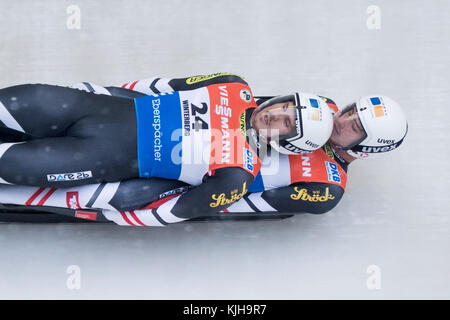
64 131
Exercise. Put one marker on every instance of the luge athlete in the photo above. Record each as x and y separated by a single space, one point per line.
71 138
311 183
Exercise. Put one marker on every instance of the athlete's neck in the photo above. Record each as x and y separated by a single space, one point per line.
342 153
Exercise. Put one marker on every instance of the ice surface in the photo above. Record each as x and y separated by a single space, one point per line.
395 213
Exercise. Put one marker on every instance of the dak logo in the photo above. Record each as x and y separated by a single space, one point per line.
246 95
248 159
333 172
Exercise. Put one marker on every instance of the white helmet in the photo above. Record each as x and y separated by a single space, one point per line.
384 124
313 124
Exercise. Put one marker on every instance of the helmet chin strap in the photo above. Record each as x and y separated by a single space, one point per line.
343 152
341 148
255 137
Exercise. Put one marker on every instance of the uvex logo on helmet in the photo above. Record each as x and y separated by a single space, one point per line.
312 144
379 149
292 148
385 141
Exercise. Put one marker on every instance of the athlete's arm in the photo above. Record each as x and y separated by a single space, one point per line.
308 197
157 85
216 193
302 197
202 203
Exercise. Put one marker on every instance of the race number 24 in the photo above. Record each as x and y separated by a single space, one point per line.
197 113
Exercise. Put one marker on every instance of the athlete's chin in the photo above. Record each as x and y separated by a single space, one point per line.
263 132
335 141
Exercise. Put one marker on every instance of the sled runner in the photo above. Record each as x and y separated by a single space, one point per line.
34 214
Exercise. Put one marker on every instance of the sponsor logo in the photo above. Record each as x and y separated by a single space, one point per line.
221 199
174 191
294 149
86 215
157 144
339 157
197 79
363 155
385 141
377 107
55 177
378 149
246 96
315 111
225 112
72 200
306 166
248 159
242 124
200 115
312 144
302 194
333 172
329 151
186 118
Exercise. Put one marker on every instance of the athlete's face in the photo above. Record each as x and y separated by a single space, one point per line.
276 120
347 129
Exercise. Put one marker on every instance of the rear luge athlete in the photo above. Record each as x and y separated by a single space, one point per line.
301 184
64 137
312 183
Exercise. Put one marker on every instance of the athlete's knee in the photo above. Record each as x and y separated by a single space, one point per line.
38 91
14 93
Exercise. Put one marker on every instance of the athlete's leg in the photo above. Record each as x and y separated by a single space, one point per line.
63 162
9 135
137 193
42 110
124 93
77 137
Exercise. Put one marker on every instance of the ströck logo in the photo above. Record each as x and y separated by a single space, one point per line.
302 194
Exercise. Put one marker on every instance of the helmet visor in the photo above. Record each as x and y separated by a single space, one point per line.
348 130
277 118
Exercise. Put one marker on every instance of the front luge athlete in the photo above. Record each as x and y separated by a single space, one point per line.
69 138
